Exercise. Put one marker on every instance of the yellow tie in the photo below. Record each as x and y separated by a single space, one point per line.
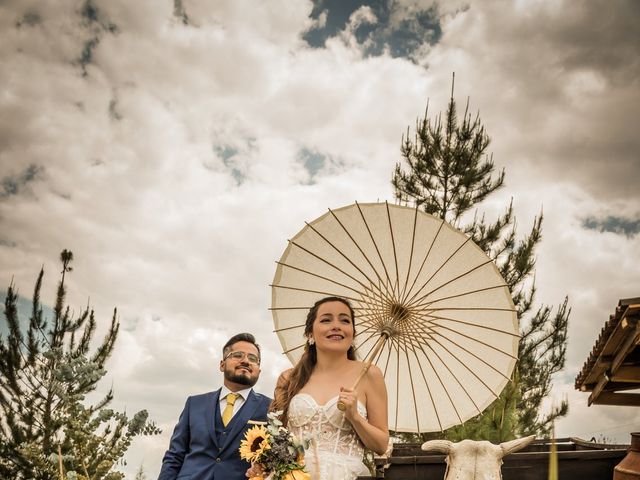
228 410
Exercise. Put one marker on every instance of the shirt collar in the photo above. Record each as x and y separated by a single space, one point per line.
243 393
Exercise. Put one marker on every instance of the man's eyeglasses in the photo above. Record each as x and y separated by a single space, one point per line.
251 357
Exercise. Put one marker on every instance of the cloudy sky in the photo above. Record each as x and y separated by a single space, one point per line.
174 147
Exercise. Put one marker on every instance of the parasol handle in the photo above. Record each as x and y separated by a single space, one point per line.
365 368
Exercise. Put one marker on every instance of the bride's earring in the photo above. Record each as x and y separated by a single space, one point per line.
311 341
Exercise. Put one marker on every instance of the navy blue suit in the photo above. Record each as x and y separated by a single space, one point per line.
201 448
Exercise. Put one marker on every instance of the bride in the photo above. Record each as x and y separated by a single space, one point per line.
308 396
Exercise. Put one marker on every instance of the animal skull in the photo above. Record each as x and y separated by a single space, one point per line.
472 460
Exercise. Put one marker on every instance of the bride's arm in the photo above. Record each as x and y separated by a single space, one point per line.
373 430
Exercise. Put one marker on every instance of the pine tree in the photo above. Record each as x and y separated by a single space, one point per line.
447 172
46 430
140 475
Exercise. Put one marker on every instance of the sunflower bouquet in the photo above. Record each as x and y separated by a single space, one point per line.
275 449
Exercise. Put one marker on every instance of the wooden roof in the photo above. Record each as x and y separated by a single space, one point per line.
613 366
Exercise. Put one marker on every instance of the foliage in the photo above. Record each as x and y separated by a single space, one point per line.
446 172
46 429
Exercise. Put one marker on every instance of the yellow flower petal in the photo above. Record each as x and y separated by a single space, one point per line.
297 475
256 441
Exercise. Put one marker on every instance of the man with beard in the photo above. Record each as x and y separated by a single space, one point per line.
205 442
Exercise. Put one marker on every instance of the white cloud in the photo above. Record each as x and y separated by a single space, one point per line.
161 228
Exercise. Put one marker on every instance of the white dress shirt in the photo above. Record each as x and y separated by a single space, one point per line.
243 395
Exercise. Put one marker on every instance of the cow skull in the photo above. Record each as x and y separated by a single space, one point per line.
473 460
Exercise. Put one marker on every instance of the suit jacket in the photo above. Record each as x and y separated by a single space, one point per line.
195 452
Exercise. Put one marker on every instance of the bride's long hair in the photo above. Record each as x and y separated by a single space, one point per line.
287 388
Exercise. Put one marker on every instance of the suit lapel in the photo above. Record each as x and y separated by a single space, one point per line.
210 415
240 419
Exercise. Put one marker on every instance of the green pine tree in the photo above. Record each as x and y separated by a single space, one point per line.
446 171
140 475
46 430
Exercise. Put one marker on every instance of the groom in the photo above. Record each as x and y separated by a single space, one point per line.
205 442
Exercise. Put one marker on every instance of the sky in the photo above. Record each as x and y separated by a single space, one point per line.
174 147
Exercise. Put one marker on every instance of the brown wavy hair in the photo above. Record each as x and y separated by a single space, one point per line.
288 387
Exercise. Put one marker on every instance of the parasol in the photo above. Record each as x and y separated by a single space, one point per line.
432 310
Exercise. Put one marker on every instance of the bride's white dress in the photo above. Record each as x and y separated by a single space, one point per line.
335 452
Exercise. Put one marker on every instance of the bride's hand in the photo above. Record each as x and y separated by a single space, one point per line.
255 471
349 399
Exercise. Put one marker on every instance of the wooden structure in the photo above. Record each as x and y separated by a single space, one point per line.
613 366
577 459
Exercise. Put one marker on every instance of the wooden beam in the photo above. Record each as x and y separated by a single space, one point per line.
627 374
601 365
626 399
628 345
617 387
631 312
620 344
617 338
598 389
626 348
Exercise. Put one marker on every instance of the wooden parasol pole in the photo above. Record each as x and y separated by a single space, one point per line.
365 368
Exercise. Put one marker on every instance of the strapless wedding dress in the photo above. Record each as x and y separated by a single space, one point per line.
335 452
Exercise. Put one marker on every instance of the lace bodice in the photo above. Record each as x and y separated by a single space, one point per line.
335 445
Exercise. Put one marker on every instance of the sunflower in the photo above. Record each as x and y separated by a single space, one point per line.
255 443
